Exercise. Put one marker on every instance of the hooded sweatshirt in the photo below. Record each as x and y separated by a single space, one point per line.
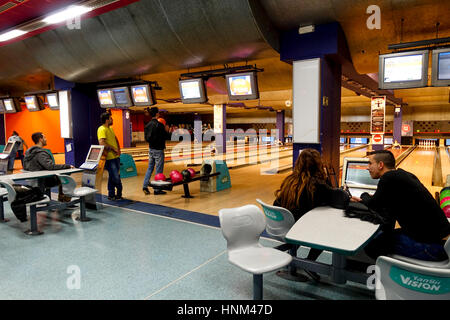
37 159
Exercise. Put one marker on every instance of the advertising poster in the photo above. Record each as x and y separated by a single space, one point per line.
377 115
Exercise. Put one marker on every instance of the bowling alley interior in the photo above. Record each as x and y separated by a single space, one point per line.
241 87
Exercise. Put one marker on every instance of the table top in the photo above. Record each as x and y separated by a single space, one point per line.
38 174
329 229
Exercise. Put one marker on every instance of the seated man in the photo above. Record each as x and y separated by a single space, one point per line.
401 197
37 159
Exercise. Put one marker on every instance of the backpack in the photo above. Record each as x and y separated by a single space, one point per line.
24 195
364 213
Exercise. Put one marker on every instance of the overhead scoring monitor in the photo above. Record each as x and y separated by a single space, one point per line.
2 106
52 100
11 105
403 70
122 97
440 70
33 103
142 95
242 86
192 91
106 98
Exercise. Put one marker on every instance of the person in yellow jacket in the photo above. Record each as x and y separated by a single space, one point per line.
107 137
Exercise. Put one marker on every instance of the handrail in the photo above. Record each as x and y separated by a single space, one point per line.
404 155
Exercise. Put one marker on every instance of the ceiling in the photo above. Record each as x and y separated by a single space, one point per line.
158 40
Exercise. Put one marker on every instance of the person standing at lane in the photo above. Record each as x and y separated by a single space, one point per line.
155 134
107 138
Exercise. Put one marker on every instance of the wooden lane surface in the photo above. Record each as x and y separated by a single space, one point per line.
420 163
445 163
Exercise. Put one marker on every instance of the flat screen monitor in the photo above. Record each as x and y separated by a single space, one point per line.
52 100
403 70
192 91
388 140
440 67
242 86
447 142
106 98
11 105
268 139
359 140
8 147
33 103
95 153
142 95
122 97
342 140
355 173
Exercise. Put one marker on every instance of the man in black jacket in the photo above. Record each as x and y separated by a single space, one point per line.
37 159
155 134
403 198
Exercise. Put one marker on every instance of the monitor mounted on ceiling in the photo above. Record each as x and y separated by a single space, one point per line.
2 107
142 95
242 86
52 100
122 97
440 67
106 98
192 91
34 103
403 70
11 105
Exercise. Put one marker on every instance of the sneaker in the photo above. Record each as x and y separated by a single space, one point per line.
119 198
146 191
113 198
159 192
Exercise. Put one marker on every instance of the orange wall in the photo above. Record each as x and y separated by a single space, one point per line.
118 125
26 123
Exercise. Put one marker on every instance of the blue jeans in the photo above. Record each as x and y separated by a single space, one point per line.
396 242
155 157
113 168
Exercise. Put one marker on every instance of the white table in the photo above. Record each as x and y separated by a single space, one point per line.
31 175
329 229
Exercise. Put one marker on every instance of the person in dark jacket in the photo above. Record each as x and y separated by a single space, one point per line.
401 197
155 134
307 188
37 159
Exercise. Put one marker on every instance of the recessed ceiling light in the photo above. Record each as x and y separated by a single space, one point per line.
11 35
69 13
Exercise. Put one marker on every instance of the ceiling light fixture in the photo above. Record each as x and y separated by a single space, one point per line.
69 13
11 35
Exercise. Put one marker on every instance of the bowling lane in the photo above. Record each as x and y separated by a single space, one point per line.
445 163
420 163
360 153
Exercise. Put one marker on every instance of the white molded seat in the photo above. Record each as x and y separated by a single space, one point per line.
70 187
400 280
242 228
279 220
432 264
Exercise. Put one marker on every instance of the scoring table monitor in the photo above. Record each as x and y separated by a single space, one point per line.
355 174
95 153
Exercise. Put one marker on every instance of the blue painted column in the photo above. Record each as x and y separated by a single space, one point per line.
397 130
127 130
280 124
326 47
86 113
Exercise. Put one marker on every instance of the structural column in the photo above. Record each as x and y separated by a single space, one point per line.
220 128
280 124
85 114
397 130
317 58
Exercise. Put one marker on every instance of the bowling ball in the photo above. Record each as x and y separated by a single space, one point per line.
159 177
444 199
206 169
192 172
444 204
162 120
445 193
186 175
447 211
176 176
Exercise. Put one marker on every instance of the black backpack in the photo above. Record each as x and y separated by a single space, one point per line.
24 195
